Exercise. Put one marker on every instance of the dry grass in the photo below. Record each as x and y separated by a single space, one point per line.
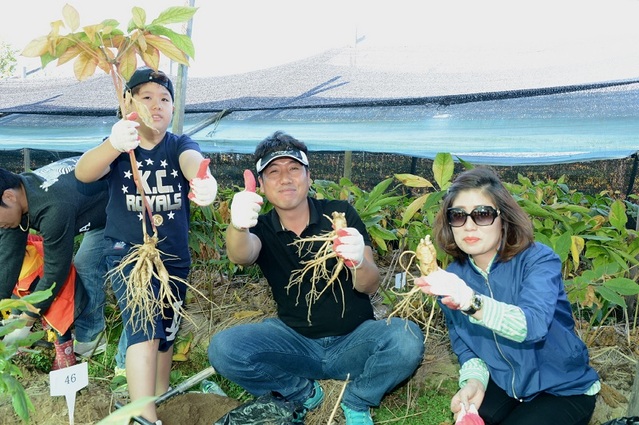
246 300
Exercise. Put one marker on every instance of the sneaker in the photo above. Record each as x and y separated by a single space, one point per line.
316 398
64 356
355 417
86 349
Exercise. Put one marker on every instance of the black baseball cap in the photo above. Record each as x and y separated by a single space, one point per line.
149 75
290 152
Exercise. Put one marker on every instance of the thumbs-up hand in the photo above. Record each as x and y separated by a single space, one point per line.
203 186
246 205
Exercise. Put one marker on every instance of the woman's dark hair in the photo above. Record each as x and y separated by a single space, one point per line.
517 230
8 180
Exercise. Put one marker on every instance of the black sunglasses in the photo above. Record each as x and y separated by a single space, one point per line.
482 216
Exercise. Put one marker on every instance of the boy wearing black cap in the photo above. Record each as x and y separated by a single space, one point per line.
167 165
342 340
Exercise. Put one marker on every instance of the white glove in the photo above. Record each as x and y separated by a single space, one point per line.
124 135
245 208
17 335
441 282
204 190
349 245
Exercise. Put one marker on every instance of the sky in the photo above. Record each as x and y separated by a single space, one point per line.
243 35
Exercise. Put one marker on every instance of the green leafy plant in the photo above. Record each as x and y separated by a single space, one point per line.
373 207
590 236
105 46
9 372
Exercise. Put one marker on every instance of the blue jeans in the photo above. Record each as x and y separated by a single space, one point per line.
90 266
270 356
120 356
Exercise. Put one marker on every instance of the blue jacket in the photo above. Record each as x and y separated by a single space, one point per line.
552 358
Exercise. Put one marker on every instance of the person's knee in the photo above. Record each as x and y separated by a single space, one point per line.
409 345
218 350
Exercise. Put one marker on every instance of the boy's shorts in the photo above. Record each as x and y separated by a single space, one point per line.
165 326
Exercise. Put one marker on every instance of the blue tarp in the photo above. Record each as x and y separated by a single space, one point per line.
547 129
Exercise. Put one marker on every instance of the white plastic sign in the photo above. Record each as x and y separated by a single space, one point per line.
67 382
400 280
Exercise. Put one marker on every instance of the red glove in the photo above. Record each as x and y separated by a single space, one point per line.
470 417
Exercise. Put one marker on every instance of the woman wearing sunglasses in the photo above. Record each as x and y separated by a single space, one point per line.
509 320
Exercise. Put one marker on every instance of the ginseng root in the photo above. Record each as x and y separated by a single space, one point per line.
316 266
412 304
140 300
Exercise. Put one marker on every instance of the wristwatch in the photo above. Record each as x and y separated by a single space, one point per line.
475 305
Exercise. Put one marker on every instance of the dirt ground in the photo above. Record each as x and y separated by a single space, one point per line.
613 354
97 401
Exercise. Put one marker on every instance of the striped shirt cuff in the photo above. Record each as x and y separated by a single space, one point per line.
506 320
474 369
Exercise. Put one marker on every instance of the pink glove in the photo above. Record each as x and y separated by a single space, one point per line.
456 293
349 245
124 134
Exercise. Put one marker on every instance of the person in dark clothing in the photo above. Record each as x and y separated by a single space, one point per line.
54 204
339 338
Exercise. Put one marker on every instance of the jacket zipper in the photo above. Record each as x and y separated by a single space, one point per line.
512 368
